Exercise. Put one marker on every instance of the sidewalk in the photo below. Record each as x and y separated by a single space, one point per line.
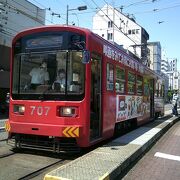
112 159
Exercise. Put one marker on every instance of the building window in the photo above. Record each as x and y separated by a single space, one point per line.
110 24
129 31
133 31
110 36
137 31
102 35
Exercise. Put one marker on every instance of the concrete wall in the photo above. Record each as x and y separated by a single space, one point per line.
15 16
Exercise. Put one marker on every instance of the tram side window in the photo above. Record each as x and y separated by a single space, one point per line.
131 83
162 91
120 80
157 90
110 77
146 88
139 85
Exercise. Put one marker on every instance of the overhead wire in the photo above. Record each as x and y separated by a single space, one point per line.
22 12
112 21
86 2
121 30
133 4
126 24
157 10
4 24
139 3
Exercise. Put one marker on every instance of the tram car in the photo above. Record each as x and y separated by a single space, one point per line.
103 91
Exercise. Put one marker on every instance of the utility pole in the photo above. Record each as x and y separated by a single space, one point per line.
67 15
80 8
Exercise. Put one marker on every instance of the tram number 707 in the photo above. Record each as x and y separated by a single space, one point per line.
39 110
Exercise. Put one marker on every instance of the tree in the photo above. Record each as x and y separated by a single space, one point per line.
170 95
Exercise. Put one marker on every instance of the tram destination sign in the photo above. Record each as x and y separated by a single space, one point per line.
44 42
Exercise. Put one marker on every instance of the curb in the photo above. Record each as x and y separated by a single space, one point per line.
120 169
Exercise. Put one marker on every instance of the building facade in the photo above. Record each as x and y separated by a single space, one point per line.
174 80
173 64
15 16
123 30
155 56
165 66
169 67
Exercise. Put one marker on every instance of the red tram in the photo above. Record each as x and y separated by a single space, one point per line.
104 89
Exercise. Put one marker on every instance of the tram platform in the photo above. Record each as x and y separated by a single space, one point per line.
109 161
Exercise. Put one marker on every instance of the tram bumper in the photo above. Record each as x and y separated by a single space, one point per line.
48 137
44 129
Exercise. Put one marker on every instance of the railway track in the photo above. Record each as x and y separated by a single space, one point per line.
29 164
40 172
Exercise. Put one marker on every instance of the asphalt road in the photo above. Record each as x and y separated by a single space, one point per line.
162 162
19 165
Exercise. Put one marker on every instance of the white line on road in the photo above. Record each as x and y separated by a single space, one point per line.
167 156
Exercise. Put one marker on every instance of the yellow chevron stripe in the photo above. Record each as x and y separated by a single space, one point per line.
76 132
7 126
71 132
66 131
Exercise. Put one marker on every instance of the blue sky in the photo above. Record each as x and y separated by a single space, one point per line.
158 17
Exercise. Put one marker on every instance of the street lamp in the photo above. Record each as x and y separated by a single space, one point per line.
80 8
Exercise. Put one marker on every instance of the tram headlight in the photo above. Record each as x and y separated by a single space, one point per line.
19 109
68 111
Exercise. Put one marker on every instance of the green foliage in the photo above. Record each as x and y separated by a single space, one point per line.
170 93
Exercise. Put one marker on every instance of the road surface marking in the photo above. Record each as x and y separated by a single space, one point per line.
167 156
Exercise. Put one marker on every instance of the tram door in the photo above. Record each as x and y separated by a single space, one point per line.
152 111
95 117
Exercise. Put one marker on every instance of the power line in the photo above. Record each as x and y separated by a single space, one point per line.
86 2
157 10
112 21
22 12
18 10
139 2
133 4
50 9
40 4
115 12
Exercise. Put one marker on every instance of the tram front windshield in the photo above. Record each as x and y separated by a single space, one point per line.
49 67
